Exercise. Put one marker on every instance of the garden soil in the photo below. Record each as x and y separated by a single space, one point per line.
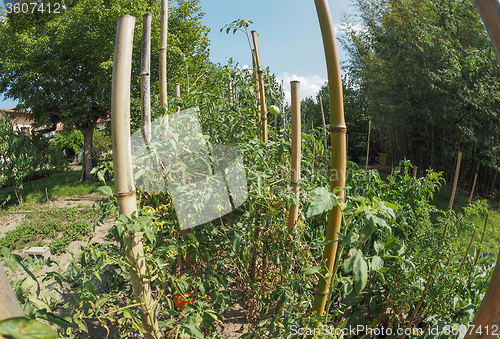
234 323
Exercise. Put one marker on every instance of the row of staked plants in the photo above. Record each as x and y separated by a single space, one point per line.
401 264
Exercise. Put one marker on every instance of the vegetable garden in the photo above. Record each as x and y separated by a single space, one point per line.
320 247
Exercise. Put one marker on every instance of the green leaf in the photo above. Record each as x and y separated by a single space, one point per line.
309 270
106 190
25 328
377 263
378 246
195 329
322 201
360 269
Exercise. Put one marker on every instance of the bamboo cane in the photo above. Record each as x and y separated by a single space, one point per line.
296 143
338 141
489 312
145 77
263 111
462 263
455 181
473 188
10 306
323 119
482 238
122 160
368 145
177 94
163 52
490 14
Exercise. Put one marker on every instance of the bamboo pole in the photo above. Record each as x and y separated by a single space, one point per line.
455 181
10 306
177 94
323 119
122 160
482 238
263 111
177 90
296 145
163 52
146 77
368 145
473 188
489 10
489 311
338 140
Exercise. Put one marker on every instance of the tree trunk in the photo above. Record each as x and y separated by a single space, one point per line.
88 134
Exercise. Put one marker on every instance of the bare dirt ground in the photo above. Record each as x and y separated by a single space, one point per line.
234 324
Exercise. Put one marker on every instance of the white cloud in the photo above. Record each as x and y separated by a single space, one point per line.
309 84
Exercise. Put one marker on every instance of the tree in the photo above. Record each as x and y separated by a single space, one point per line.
19 157
430 78
61 68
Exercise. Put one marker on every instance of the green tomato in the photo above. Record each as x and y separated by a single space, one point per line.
274 110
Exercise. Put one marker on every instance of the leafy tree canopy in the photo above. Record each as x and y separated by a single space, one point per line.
430 79
60 68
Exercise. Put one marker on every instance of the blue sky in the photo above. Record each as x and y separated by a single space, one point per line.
289 38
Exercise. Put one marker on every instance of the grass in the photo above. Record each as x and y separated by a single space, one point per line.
58 185
60 226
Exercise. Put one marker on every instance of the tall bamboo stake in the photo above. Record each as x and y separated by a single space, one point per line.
122 160
473 188
455 181
338 141
263 110
145 77
10 306
296 143
490 14
482 238
163 52
177 90
489 312
323 119
177 94
368 145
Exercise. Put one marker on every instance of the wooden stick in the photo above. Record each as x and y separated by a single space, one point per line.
368 145
10 306
454 189
296 145
338 141
163 52
122 160
489 10
145 77
473 188
488 313
263 110
177 94
482 238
